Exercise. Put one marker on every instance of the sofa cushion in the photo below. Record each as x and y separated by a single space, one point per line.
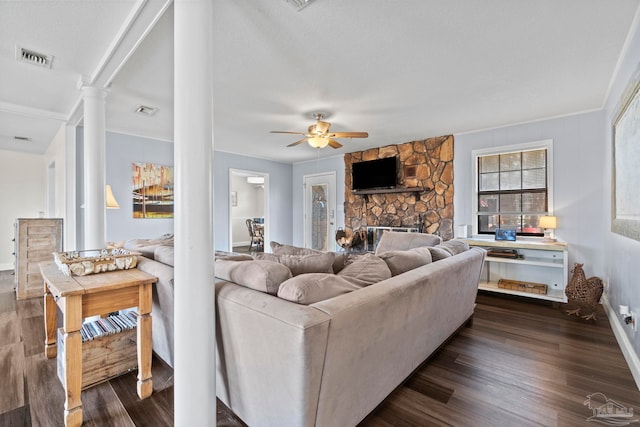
401 241
454 247
321 262
365 270
261 275
280 249
438 253
164 254
403 261
147 247
310 288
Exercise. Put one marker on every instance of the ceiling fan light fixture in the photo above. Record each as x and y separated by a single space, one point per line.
318 142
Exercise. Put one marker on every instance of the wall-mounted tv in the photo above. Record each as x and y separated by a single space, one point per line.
379 173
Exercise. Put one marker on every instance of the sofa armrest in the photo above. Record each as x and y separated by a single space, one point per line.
269 356
162 307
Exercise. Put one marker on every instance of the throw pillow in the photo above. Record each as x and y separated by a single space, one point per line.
454 247
403 261
438 253
365 270
310 288
263 276
320 262
280 249
401 241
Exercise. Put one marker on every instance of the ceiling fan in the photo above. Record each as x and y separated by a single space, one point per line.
318 135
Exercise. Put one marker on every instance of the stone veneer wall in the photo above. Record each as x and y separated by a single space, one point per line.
426 164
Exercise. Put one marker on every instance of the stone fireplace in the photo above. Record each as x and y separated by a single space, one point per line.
423 197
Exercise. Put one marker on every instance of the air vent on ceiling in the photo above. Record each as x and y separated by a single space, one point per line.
34 58
148 111
299 4
22 138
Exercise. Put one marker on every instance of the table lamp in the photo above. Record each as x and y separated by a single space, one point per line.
112 203
548 223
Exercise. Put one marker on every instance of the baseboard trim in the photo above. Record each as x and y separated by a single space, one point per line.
623 341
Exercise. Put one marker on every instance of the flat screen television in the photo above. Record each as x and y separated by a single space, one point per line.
370 174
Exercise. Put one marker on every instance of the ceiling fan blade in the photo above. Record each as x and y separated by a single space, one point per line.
293 144
284 131
334 144
349 135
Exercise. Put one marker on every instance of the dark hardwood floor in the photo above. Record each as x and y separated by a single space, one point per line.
521 363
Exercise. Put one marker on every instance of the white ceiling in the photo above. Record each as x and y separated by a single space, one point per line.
400 70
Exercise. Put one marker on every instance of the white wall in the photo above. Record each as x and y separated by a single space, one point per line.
280 199
23 188
621 254
578 184
121 151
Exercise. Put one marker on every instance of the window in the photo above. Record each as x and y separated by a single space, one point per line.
513 188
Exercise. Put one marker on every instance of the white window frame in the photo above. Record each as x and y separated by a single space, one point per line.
546 144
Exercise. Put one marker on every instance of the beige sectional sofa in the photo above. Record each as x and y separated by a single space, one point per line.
332 361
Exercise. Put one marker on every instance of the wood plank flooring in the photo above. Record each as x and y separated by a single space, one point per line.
521 363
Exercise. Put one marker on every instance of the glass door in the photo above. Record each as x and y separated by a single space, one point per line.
320 211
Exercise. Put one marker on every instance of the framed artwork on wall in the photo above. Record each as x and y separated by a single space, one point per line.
625 215
152 190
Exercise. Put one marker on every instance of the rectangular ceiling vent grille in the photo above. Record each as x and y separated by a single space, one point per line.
32 57
299 4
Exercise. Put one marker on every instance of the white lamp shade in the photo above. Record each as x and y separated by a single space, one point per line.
112 203
547 222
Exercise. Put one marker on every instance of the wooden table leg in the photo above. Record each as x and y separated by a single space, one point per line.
50 320
72 310
145 383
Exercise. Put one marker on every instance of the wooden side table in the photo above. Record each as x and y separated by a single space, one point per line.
84 296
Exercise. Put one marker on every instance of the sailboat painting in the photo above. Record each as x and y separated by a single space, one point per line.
152 190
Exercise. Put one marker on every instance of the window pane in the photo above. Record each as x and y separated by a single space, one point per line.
510 180
488 203
534 202
487 223
510 162
530 224
518 186
533 178
489 164
534 159
489 182
511 221
510 203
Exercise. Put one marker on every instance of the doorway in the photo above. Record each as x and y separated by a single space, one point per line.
320 211
248 200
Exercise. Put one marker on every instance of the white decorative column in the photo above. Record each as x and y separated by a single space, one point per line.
94 167
194 310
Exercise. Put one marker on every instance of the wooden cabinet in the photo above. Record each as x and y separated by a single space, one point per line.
35 241
537 262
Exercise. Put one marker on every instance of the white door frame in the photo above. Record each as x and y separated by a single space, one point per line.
331 200
244 172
